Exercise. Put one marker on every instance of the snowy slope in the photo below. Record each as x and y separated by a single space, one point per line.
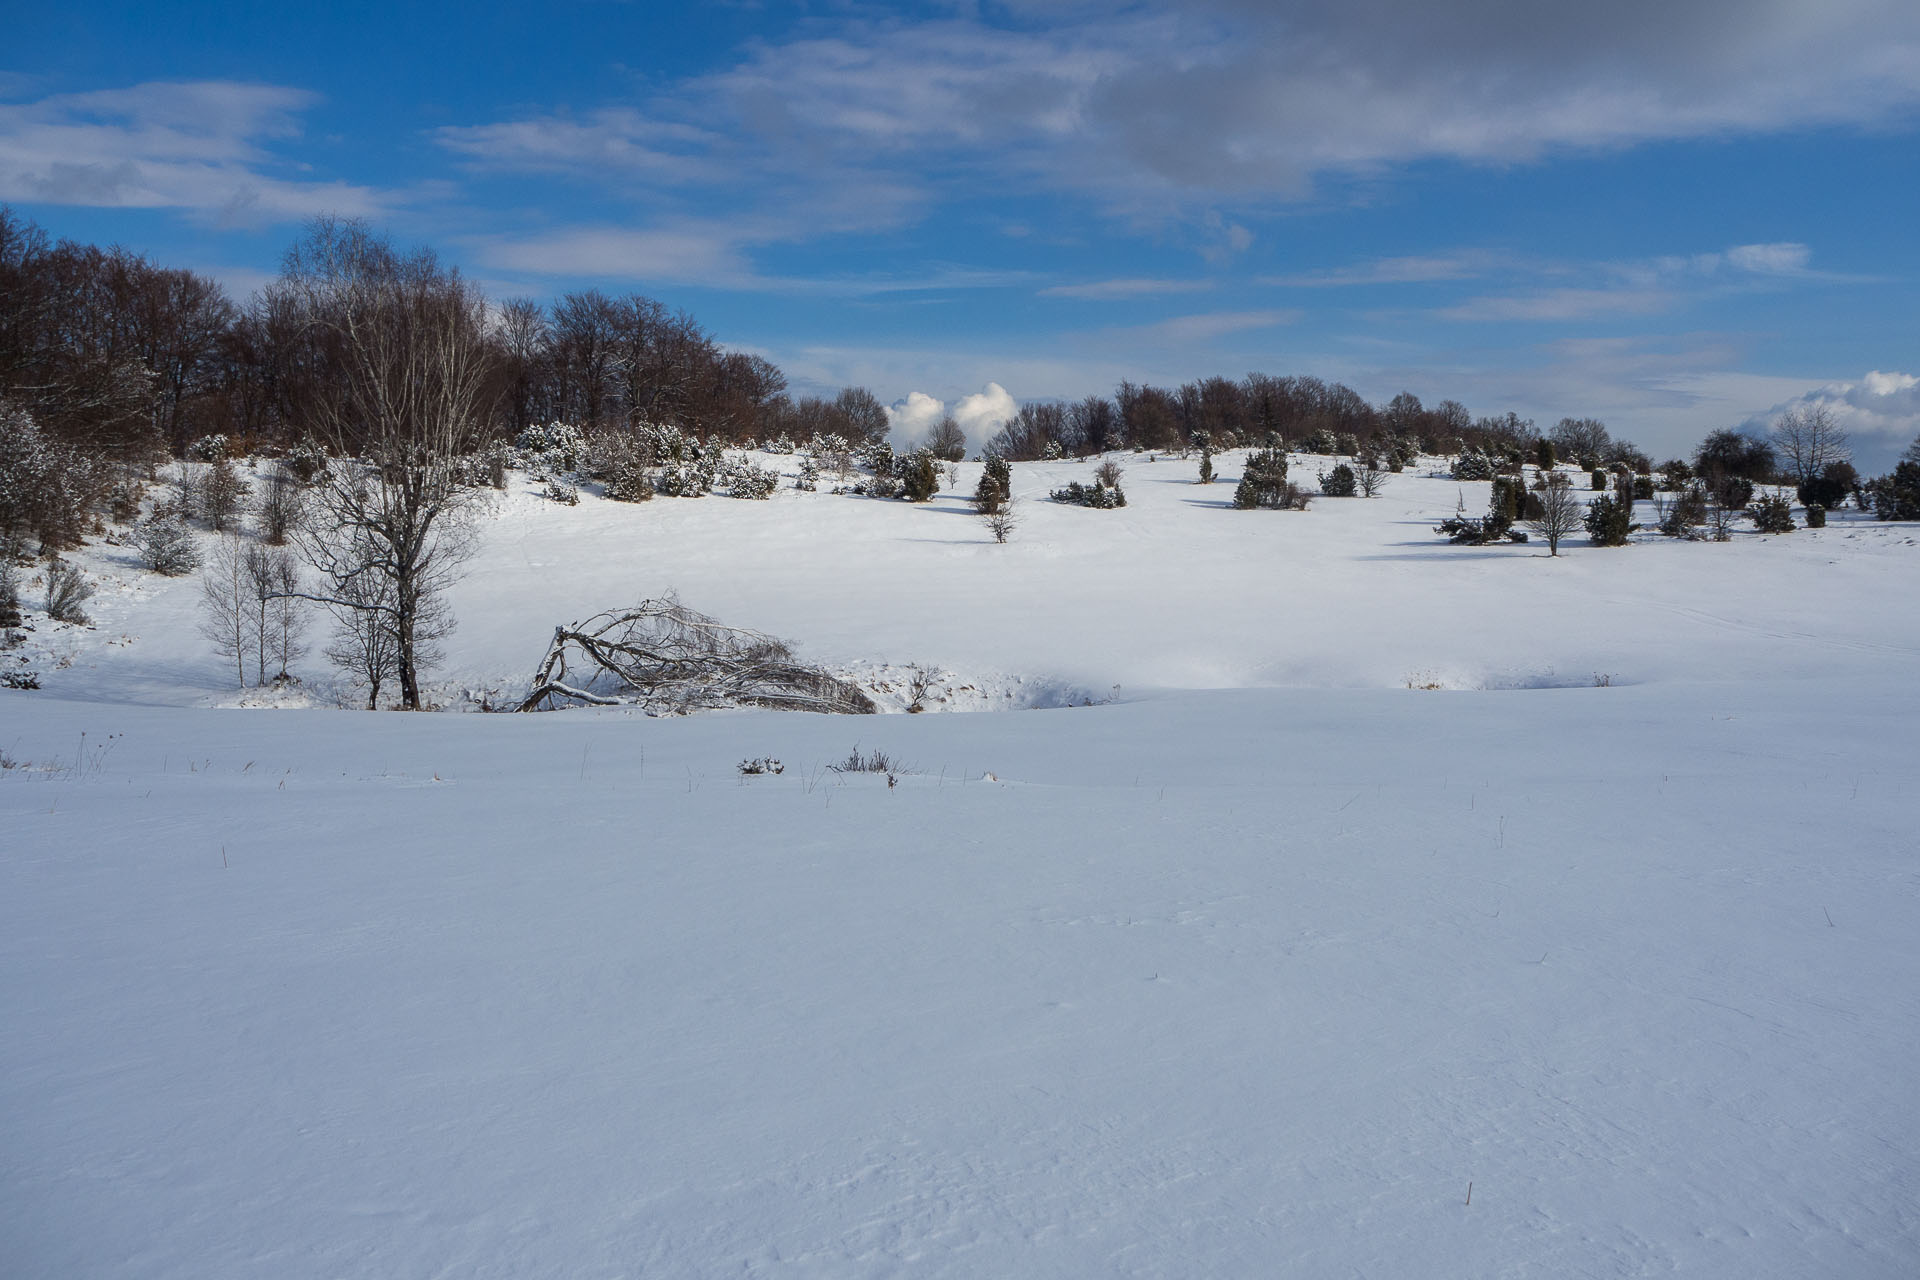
1174 591
1247 981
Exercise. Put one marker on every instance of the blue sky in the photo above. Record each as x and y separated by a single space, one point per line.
1672 216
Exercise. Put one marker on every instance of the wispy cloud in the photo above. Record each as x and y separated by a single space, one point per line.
1437 268
1564 304
1182 107
1130 287
1647 287
614 143
712 253
688 253
1216 324
204 146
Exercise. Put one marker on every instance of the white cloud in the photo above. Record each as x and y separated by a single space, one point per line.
200 146
984 412
1881 412
913 417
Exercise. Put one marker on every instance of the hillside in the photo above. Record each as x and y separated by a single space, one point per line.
1396 909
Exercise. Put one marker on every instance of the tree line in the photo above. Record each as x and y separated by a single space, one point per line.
126 359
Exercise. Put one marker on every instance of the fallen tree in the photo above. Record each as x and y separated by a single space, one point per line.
669 659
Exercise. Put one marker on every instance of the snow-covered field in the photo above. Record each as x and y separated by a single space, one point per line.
1380 868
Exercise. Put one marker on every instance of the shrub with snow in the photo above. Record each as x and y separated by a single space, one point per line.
1263 481
1471 464
67 590
166 545
1772 514
995 489
45 487
919 476
306 460
1897 496
1609 519
1338 483
1096 495
749 481
9 592
557 446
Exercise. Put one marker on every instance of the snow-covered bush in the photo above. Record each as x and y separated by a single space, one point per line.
560 491
832 453
222 492
1733 492
213 448
995 489
9 593
1471 464
749 481
1897 496
1321 440
1263 481
166 545
1830 488
123 501
1339 482
809 477
687 468
555 447
783 444
1816 516
45 487
1506 497
67 590
1686 512
306 460
281 502
1610 519
628 478
920 476
1772 514
684 480
1097 496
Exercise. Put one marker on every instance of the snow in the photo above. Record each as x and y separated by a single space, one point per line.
1251 968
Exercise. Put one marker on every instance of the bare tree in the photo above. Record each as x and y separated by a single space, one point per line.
1560 513
277 621
1580 439
225 600
1809 439
947 440
409 397
1370 476
281 500
363 644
